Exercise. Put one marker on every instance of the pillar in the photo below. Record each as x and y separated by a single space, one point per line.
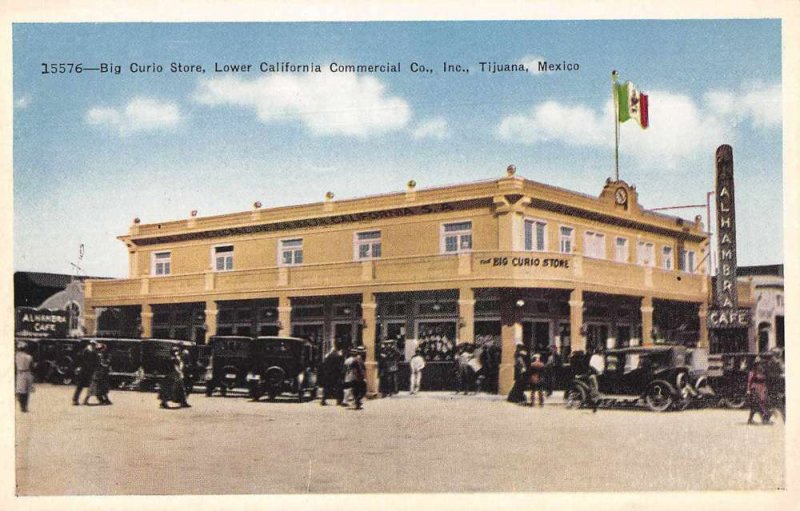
147 321
466 315
368 335
702 314
577 337
284 316
510 335
647 320
211 319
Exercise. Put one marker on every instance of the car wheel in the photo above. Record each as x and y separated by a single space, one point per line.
574 398
659 396
735 402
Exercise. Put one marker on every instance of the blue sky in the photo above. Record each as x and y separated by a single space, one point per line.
92 151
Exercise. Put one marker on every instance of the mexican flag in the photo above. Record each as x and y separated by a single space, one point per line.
632 104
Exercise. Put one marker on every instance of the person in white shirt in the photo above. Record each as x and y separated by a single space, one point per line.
597 366
417 364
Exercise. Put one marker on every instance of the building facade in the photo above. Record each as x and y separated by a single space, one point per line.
506 261
766 284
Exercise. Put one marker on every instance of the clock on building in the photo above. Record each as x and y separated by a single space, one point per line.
621 196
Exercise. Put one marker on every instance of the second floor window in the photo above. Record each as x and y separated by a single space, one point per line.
535 235
566 239
161 263
456 237
594 245
368 245
645 253
223 258
688 261
291 252
666 254
621 250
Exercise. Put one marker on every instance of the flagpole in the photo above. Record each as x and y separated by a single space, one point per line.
615 99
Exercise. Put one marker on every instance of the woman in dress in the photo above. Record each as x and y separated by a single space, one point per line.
757 392
100 378
23 365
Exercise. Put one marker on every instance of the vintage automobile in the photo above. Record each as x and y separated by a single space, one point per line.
657 376
156 359
126 358
728 372
231 361
55 358
282 364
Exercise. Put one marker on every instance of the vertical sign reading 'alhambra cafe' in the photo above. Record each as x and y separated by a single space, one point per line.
727 314
726 229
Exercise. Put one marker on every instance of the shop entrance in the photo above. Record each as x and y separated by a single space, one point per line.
596 337
536 336
342 335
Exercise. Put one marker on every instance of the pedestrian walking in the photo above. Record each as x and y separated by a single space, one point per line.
356 375
597 366
552 367
758 393
101 383
517 394
188 371
390 363
172 388
416 364
332 368
536 376
87 364
23 375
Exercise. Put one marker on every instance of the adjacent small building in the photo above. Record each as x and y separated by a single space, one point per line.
502 261
766 284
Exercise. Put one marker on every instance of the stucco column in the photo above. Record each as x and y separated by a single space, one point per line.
211 319
369 316
147 320
702 314
647 320
510 335
466 315
577 338
284 316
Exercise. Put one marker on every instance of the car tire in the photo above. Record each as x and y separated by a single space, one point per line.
659 396
735 402
574 397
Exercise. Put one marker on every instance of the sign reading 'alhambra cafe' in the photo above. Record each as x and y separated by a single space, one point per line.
727 314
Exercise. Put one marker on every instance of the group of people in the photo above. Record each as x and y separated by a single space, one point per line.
92 371
536 372
342 378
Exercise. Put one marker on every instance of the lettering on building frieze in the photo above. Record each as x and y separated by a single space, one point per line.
522 261
323 221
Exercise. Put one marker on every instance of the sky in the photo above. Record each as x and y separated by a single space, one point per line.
94 150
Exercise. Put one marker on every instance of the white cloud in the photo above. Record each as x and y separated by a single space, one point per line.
532 63
436 128
552 121
23 102
757 103
680 129
328 104
140 114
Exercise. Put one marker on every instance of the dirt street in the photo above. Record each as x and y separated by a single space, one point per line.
432 442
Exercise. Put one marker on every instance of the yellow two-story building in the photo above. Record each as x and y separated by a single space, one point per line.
504 261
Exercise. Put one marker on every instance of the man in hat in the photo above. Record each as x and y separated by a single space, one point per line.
87 364
356 375
23 371
390 361
331 375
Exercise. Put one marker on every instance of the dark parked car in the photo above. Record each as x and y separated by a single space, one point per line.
54 358
231 359
126 358
282 364
657 376
156 357
727 375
